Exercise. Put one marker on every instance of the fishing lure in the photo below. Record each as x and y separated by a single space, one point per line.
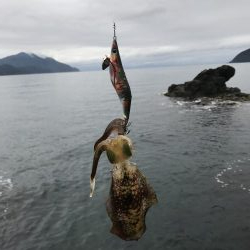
118 77
130 194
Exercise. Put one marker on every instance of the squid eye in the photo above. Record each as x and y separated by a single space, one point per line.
114 50
126 149
111 156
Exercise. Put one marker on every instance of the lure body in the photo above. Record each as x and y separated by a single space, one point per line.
118 78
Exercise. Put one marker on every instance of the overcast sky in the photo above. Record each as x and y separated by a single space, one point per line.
150 32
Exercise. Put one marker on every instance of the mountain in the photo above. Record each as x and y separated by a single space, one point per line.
24 63
243 56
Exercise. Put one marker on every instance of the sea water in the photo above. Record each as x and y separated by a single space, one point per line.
197 159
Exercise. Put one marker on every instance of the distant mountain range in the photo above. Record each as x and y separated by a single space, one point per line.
24 63
243 56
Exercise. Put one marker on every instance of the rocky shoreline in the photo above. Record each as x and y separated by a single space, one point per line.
210 83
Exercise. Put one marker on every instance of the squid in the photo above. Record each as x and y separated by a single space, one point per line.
130 194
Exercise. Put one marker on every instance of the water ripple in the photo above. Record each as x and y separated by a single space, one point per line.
235 175
5 185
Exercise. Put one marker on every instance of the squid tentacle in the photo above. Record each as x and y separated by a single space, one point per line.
118 125
102 146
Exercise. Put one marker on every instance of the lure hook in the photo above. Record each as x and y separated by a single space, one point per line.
114 30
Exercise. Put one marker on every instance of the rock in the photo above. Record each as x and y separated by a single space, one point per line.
233 90
225 71
209 83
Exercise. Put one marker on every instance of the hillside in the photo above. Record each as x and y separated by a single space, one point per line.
243 56
24 63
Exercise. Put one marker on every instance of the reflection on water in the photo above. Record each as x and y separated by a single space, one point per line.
235 175
5 185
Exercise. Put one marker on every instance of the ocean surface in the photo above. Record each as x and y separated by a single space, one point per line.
197 159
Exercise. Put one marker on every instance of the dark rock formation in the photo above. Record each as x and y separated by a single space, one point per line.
24 63
209 83
243 56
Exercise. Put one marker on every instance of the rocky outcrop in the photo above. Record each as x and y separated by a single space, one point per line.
209 83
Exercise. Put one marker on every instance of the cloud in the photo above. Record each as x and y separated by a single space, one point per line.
147 30
236 41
